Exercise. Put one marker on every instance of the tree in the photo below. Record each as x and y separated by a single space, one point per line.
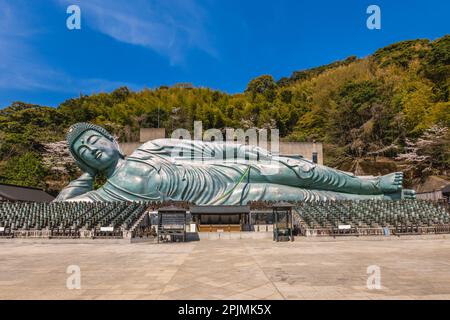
24 170
436 67
264 85
429 154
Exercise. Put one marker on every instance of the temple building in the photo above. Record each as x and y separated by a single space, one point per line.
15 193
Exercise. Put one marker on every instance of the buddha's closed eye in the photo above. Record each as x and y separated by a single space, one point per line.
93 139
82 150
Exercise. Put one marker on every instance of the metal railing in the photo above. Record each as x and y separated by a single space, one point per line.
398 231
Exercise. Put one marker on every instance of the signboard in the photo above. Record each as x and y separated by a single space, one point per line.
344 226
173 226
109 229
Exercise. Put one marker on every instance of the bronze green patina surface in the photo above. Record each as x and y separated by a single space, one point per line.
209 173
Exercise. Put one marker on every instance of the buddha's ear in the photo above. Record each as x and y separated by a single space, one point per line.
117 145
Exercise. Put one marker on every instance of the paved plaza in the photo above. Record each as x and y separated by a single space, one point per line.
228 269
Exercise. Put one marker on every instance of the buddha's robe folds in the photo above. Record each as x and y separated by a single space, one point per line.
222 173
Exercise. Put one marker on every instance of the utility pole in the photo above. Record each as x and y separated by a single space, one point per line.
158 116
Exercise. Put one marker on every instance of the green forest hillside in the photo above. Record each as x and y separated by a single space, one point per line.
388 111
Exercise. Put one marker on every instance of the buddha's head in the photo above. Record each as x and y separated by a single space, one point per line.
93 148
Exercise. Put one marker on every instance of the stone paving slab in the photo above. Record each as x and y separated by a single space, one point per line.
231 269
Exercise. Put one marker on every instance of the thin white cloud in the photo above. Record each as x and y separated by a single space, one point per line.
17 70
22 68
169 27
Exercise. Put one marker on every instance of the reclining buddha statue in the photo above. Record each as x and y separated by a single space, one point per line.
209 173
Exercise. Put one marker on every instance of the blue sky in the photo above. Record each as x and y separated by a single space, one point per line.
220 44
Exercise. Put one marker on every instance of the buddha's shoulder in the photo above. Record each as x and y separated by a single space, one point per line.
152 146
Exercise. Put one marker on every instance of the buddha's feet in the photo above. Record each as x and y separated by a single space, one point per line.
391 183
409 194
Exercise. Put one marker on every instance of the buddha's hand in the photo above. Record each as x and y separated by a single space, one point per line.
85 177
77 187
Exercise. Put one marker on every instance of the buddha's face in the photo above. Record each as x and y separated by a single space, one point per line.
96 150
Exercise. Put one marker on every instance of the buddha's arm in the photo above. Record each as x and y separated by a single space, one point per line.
77 187
232 150
249 152
196 149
